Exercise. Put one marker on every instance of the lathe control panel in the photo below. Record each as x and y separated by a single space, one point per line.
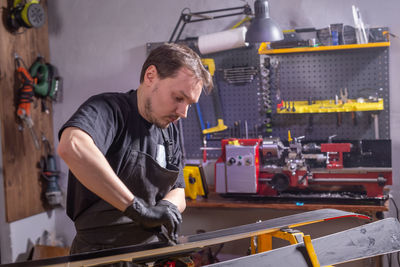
241 168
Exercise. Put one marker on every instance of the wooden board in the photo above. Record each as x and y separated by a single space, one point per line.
22 182
192 243
374 239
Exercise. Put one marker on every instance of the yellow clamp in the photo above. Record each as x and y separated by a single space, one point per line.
193 181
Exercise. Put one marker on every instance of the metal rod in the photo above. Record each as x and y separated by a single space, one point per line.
210 148
187 18
264 180
245 7
345 180
176 28
217 17
376 125
246 129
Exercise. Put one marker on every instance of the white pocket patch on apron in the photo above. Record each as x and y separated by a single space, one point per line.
161 157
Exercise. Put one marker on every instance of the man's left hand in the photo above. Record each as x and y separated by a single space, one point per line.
172 232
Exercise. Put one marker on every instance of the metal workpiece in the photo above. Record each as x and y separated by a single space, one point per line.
149 253
373 239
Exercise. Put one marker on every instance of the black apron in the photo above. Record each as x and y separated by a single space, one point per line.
102 226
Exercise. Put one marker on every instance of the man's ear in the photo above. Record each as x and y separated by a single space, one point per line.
150 75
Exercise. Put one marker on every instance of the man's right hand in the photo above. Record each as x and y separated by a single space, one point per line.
153 216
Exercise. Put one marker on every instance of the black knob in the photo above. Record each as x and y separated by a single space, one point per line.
192 180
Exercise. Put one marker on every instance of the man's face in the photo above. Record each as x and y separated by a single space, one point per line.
167 100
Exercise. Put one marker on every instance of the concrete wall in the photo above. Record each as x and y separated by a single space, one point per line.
99 46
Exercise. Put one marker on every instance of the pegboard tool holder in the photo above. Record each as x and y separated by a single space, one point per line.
320 73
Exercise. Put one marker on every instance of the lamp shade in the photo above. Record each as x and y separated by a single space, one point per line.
262 27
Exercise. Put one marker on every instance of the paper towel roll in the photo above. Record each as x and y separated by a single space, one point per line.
220 41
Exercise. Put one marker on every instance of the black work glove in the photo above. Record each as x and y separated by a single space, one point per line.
165 203
154 216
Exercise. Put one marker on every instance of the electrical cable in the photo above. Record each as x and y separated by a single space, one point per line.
395 205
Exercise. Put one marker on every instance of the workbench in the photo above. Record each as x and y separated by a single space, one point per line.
214 200
219 212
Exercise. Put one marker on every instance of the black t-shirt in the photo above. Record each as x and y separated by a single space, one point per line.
116 127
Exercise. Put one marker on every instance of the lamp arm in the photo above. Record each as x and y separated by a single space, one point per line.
183 19
187 18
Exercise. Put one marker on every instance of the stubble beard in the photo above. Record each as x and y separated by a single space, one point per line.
148 109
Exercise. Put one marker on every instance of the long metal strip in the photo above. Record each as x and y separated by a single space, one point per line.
193 242
373 239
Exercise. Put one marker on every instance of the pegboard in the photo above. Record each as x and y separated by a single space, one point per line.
251 104
238 103
321 75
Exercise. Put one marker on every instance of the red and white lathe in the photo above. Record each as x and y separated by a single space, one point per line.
266 167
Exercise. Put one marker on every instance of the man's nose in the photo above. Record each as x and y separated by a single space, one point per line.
182 110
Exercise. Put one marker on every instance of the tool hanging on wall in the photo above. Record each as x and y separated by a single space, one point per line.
47 83
25 97
26 14
210 64
265 95
240 75
50 173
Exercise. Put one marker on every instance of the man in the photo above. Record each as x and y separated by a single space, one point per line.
122 149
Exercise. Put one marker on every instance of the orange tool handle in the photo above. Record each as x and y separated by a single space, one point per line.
25 93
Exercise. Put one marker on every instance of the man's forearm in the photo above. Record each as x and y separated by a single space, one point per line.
177 197
91 168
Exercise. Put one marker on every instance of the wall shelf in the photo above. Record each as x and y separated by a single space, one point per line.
263 49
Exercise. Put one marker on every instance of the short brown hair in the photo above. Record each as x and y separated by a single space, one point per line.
170 57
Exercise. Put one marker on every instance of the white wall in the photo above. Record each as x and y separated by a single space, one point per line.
99 46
